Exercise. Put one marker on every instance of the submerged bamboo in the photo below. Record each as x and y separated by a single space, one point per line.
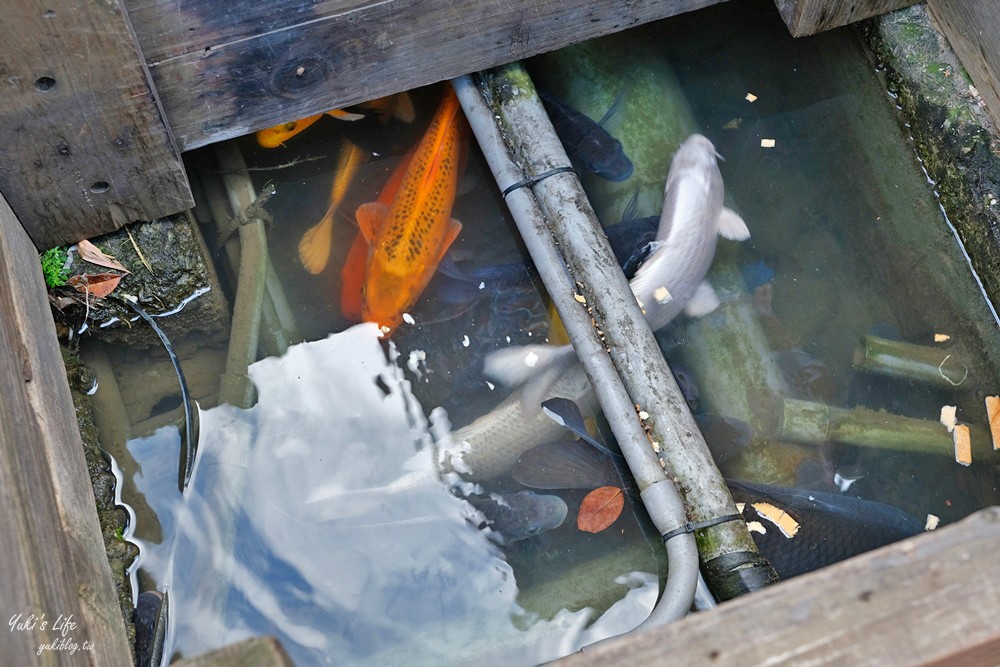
816 423
942 367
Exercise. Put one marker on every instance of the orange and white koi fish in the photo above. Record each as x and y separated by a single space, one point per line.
409 237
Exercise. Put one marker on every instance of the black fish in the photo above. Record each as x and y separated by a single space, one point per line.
831 527
517 516
586 141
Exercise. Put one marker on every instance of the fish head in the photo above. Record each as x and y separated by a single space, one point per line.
696 152
605 157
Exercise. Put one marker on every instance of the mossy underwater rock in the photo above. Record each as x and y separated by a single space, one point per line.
181 267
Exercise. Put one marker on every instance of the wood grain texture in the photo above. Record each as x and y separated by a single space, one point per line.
973 30
85 146
930 600
53 561
247 66
255 652
807 17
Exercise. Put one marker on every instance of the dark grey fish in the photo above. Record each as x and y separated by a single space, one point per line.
586 141
517 516
831 527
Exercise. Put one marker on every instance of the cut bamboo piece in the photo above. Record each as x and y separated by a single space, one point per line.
963 445
816 423
936 366
993 413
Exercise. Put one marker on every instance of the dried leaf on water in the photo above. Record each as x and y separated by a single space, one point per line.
91 253
98 284
600 508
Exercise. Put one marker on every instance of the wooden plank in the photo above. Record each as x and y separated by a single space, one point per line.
254 652
85 145
223 74
53 562
973 30
807 17
931 600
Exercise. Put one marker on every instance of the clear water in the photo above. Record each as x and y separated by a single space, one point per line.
839 211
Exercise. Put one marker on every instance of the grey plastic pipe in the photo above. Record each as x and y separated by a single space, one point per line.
660 496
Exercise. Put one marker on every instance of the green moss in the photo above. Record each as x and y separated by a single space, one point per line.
54 266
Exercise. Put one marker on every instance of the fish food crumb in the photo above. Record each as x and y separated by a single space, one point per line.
963 445
993 414
948 417
767 143
941 338
750 98
932 522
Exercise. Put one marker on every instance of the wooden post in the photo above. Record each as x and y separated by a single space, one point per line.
85 147
53 562
807 17
973 30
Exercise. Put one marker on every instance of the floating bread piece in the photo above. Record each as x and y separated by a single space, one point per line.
767 143
948 417
941 338
963 444
751 97
784 521
993 412
932 522
756 527
734 124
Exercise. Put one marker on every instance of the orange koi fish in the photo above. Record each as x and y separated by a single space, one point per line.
409 237
398 106
352 275
314 248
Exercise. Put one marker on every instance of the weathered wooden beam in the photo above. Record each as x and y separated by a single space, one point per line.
85 146
254 652
973 30
221 74
53 562
930 600
807 17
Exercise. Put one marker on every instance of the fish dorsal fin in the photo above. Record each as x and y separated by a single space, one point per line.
704 301
732 227
610 113
372 218
454 227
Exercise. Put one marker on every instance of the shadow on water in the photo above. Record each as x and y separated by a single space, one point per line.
846 240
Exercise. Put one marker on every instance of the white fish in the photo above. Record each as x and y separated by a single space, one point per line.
693 217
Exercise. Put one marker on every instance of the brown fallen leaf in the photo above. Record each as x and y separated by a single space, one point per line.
98 284
91 253
600 508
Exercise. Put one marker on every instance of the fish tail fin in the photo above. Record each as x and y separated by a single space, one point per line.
314 247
